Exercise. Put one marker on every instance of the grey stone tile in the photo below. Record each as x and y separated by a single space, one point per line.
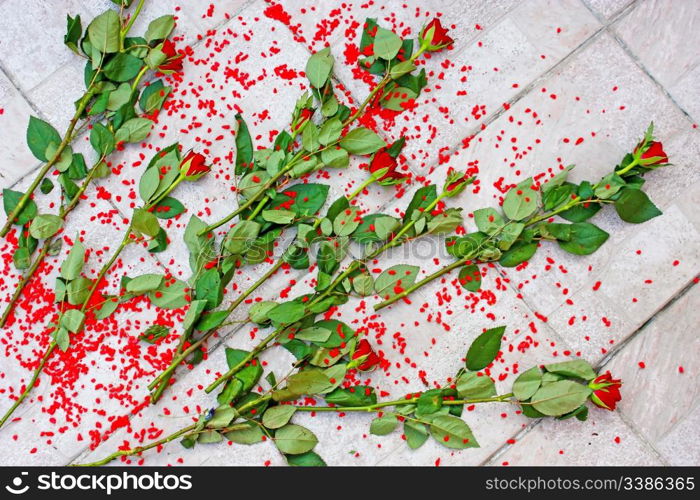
662 356
17 160
603 440
607 8
676 448
39 24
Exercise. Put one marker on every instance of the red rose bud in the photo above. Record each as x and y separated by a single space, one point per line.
194 166
173 61
456 182
606 391
434 37
384 167
366 358
654 154
303 118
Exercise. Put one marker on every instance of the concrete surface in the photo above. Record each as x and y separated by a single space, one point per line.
526 80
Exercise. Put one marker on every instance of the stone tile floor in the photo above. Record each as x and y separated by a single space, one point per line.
529 86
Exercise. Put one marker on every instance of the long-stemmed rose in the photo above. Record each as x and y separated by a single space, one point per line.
75 292
109 107
244 416
513 238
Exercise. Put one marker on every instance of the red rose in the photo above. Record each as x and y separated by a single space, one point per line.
606 391
368 358
194 165
434 37
385 167
654 155
304 117
173 61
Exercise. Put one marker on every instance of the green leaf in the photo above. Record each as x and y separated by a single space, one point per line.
168 208
258 311
160 28
485 348
446 222
72 320
74 31
134 130
62 338
634 206
609 186
401 69
153 333
287 313
319 67
294 439
386 424
104 32
78 291
212 320
241 236
517 254
309 137
346 222
252 434
144 283
330 131
309 382
41 135
123 67
10 200
45 225
559 398
521 201
586 238
359 395
470 278
171 294
145 222
395 279
423 197
386 44
73 265
278 416
471 385
527 383
101 139
416 434
279 216
107 308
363 284
362 141
429 402
303 199
308 459
488 220
313 334
452 432
335 157
577 368
153 96
244 147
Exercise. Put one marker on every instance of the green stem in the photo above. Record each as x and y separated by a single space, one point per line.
362 187
139 449
31 384
132 20
629 167
400 402
45 249
67 138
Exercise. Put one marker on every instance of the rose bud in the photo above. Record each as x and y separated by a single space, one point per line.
434 37
303 118
364 358
173 61
456 182
606 391
384 167
194 166
653 155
